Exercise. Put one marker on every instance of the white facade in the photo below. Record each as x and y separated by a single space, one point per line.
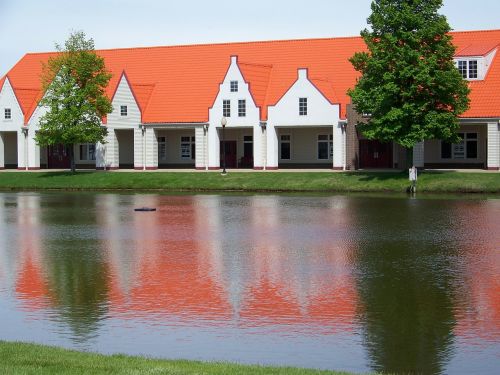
132 144
320 114
234 121
10 129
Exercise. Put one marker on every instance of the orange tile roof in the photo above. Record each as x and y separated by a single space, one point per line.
477 49
178 84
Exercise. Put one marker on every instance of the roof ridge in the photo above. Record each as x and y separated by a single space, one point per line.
187 45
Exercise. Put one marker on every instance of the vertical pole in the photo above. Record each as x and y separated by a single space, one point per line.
26 150
143 148
223 150
205 145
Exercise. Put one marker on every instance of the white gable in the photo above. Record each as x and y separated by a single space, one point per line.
243 93
319 110
8 100
124 97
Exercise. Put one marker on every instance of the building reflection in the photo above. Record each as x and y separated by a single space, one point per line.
250 262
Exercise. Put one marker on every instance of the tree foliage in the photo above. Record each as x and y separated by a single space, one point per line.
74 82
409 83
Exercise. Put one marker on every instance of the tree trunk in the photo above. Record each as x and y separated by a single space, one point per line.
409 157
72 157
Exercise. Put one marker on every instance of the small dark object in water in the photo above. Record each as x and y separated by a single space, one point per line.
145 209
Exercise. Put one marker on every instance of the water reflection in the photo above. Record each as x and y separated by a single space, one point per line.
351 283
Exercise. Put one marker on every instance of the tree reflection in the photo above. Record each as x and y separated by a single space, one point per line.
405 283
76 271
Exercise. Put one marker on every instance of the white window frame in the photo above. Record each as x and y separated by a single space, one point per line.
289 141
123 110
87 153
162 143
465 68
240 112
233 86
329 140
303 107
9 116
226 108
187 145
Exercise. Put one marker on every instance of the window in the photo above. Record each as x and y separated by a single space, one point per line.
234 86
226 108
468 69
473 69
325 146
466 149
87 151
285 147
162 148
188 147
8 114
248 146
123 110
242 108
462 68
302 106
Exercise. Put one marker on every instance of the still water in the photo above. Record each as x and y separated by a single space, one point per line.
336 282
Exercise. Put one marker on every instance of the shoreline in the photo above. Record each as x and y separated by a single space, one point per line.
22 358
252 182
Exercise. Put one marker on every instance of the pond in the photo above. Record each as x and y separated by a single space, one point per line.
356 283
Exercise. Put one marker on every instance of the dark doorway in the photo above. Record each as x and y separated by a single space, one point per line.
375 154
58 157
230 154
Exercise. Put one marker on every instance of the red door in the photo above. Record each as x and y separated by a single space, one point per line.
375 154
58 157
230 154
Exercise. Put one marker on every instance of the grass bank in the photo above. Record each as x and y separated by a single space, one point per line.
435 182
20 358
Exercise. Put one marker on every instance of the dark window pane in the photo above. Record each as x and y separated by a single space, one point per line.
445 150
471 149
248 150
322 150
285 151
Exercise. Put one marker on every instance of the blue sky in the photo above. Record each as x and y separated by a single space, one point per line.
35 25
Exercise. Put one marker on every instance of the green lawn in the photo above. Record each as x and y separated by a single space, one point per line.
451 182
20 358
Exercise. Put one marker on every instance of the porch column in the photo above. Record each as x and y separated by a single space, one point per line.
213 147
258 147
200 136
493 157
112 159
338 147
22 157
100 156
272 147
2 152
151 149
418 155
34 152
139 156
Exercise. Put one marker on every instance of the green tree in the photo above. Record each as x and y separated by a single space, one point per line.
74 82
409 83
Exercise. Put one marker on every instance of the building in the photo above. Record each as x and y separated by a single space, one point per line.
285 102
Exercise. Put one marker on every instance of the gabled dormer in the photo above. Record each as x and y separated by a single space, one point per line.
474 61
306 103
126 110
11 113
234 99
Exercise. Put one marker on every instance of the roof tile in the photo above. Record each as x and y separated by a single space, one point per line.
178 84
